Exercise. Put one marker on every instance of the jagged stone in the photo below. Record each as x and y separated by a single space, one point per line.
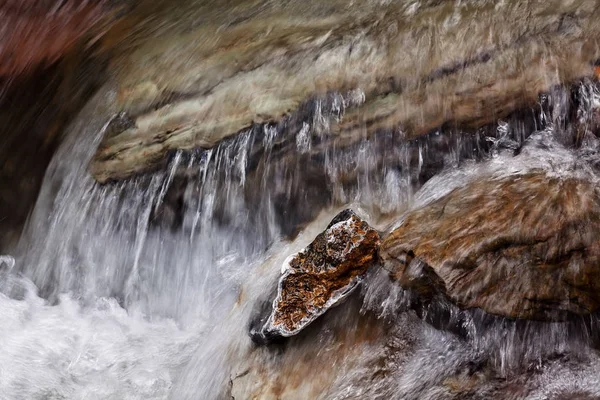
324 273
524 246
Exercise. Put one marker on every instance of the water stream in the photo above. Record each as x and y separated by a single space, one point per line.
146 288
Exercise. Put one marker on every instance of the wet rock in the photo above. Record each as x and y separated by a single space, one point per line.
35 110
524 246
360 345
320 276
120 123
195 93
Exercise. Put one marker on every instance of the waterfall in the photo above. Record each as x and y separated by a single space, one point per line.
146 288
153 250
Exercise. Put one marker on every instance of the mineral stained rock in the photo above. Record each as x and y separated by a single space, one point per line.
524 246
324 273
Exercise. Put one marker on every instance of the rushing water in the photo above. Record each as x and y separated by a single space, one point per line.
145 289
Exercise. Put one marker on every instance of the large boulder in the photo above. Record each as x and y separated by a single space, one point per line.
320 276
524 246
211 82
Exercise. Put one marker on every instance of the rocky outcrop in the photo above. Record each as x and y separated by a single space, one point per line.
523 246
418 67
320 276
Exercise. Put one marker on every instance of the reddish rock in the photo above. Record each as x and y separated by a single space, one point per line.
521 247
320 276
35 33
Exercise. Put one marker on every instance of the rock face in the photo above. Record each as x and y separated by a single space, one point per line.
419 66
520 247
321 275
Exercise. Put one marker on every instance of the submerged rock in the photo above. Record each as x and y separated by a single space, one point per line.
521 247
320 276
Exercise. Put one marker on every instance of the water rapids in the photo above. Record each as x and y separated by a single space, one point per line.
146 288
99 302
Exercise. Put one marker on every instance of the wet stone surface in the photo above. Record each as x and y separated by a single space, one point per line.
518 247
320 276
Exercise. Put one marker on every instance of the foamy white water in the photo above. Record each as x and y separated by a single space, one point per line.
104 302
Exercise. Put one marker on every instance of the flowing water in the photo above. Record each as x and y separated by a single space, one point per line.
146 289
100 301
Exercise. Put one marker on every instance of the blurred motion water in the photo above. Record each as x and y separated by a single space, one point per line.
103 303
146 288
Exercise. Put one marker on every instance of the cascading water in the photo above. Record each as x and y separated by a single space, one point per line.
112 295
148 288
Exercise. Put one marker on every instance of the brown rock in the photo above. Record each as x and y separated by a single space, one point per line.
522 247
324 273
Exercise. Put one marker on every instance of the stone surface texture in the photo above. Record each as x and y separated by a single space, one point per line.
323 274
417 67
522 246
